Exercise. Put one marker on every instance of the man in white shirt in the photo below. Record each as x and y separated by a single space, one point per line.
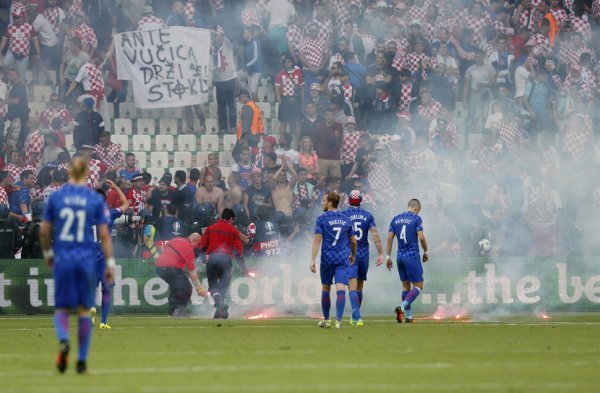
281 13
49 44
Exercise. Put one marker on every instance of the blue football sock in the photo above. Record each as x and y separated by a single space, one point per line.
360 297
404 293
340 304
410 297
325 304
85 336
355 302
105 305
61 325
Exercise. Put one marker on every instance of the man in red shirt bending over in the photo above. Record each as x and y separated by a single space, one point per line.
220 241
178 255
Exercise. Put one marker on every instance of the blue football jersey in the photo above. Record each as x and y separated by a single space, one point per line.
74 211
405 227
362 222
336 229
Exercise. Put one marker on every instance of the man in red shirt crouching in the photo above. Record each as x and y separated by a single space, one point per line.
178 255
220 241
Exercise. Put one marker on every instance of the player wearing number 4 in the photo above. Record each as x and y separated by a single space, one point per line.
407 227
67 225
362 222
334 235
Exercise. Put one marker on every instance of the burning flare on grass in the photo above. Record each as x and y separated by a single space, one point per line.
265 314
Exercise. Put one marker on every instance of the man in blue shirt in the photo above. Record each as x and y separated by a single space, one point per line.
69 247
407 227
111 216
335 237
362 223
20 200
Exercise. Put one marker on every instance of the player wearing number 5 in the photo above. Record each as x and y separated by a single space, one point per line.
407 227
363 223
67 226
334 235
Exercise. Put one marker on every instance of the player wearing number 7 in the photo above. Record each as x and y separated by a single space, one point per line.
407 227
334 235
67 227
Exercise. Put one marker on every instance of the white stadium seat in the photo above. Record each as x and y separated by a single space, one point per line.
229 142
122 140
159 159
212 126
225 171
146 126
123 126
201 159
186 142
127 110
266 94
163 142
142 143
69 142
36 108
167 126
157 173
225 159
42 93
209 143
182 159
265 109
141 158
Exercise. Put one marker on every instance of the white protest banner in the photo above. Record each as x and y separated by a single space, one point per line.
169 67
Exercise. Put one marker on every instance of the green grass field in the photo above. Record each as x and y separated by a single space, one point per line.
158 354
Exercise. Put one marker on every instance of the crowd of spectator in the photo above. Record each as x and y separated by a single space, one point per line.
484 110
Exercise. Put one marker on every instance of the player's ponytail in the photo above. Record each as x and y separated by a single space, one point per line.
79 169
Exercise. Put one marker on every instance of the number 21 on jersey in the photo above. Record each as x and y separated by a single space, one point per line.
70 216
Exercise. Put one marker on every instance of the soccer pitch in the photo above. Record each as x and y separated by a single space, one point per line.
159 354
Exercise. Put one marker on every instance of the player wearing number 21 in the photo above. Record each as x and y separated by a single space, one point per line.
334 236
69 248
407 227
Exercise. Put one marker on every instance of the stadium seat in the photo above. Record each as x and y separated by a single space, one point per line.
157 173
127 110
225 171
141 143
276 109
186 142
225 159
275 125
122 140
182 159
141 158
123 126
201 159
266 94
130 97
146 126
36 108
265 109
159 159
167 126
229 142
209 143
460 125
148 113
69 142
174 113
461 141
163 142
42 93
28 77
212 126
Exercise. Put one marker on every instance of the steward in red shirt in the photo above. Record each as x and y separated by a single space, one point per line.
220 241
178 255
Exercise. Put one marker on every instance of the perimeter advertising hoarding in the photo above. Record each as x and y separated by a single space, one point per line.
465 285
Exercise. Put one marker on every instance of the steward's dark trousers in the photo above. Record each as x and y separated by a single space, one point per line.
218 270
180 288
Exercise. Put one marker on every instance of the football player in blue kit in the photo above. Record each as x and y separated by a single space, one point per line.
407 227
334 236
69 248
362 223
111 216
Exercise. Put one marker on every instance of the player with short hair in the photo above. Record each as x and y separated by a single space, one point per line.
362 223
111 216
407 227
68 246
334 235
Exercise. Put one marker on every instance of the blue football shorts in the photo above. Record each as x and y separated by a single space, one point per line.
75 278
410 268
360 268
330 271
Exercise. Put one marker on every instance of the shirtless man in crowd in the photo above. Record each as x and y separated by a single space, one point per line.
281 193
235 195
211 170
208 193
